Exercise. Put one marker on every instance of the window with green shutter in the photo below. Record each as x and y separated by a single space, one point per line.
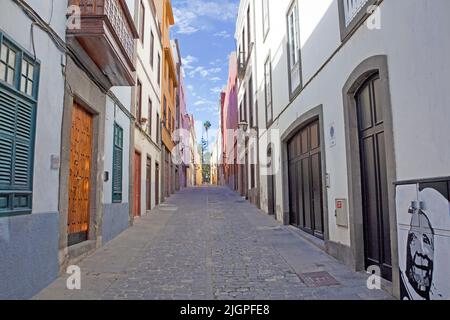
18 99
117 164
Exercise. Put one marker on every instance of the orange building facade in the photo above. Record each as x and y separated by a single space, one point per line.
168 97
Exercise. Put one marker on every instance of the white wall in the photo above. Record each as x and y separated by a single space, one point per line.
115 114
50 96
148 76
418 69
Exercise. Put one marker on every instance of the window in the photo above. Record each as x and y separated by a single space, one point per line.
158 126
8 62
117 164
152 48
249 36
17 128
250 101
266 22
268 90
149 124
294 48
352 13
244 106
26 81
165 112
142 22
139 101
244 49
159 69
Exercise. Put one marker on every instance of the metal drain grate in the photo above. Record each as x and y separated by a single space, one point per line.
318 279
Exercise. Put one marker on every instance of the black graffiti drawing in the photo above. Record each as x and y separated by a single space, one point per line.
420 254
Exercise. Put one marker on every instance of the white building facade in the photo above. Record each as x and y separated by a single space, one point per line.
117 194
246 29
147 106
31 107
341 90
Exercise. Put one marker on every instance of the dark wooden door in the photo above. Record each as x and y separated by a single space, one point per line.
305 180
148 184
80 175
137 184
271 184
157 183
377 241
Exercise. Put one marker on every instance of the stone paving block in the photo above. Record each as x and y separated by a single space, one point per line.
207 243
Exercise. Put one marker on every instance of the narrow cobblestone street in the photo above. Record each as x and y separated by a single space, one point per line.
208 243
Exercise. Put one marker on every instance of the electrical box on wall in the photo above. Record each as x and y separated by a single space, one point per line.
341 212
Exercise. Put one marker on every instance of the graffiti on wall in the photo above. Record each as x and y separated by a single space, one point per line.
423 214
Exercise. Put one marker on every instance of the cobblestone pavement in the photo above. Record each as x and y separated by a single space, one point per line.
207 243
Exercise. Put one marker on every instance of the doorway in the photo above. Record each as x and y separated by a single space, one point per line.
374 182
80 175
137 184
157 184
148 184
305 180
271 184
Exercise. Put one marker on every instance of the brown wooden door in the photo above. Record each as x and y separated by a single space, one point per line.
137 184
148 184
80 175
305 180
157 184
377 241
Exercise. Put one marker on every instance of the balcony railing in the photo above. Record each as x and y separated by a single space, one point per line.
352 8
107 34
243 60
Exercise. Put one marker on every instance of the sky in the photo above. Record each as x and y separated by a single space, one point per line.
205 30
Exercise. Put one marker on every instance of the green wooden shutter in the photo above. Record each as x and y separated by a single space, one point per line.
16 151
117 164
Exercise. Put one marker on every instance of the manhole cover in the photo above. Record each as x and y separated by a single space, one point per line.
318 279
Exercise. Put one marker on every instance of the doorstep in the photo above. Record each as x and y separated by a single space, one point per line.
81 250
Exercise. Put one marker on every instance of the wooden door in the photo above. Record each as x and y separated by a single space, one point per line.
80 175
137 184
305 180
377 241
157 183
148 184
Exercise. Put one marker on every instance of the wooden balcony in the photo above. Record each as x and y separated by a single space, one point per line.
107 34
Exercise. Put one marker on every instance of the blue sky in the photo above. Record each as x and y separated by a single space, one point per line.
205 29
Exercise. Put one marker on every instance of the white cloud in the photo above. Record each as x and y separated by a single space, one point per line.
214 79
188 61
184 21
204 72
222 34
216 90
203 102
190 15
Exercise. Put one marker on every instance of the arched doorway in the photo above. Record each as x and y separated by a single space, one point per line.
271 191
374 183
305 179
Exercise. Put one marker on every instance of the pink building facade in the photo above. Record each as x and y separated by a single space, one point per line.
229 121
